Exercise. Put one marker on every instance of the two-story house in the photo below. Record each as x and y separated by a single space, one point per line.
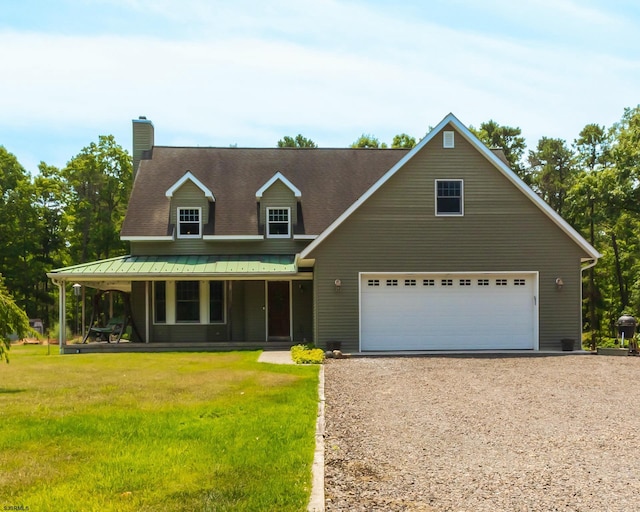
441 247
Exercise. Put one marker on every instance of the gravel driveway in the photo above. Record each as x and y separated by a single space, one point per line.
483 434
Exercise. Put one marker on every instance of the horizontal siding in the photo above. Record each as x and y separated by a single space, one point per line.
396 230
188 196
245 315
198 246
278 195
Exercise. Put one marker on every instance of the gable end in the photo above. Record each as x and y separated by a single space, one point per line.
188 176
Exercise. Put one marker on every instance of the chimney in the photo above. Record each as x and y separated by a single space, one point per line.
142 140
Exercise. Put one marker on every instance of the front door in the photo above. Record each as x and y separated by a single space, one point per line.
279 311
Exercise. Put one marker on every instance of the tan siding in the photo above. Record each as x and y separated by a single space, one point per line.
189 196
396 230
278 195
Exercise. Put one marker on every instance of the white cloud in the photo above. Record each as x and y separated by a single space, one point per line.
251 72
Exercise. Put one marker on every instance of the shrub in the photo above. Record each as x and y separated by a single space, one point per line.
307 354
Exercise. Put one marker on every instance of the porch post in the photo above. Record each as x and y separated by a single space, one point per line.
62 315
229 309
146 311
84 288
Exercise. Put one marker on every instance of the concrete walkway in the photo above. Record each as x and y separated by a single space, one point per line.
276 357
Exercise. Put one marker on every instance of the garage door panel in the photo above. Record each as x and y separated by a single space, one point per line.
444 312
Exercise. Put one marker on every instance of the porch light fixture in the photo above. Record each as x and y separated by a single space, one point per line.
338 284
559 283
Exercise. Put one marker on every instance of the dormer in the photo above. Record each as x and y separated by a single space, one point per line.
278 206
191 206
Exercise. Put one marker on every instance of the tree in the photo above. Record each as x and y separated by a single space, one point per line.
298 142
368 141
592 147
49 234
12 320
552 172
99 182
17 218
506 138
403 141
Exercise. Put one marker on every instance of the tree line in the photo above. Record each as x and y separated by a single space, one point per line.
70 215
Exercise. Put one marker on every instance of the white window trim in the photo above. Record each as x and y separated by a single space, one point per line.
199 208
266 222
174 305
435 196
188 176
278 176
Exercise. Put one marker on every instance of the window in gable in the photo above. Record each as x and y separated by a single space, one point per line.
278 222
189 222
449 197
448 140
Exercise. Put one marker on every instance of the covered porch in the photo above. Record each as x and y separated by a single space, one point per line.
207 302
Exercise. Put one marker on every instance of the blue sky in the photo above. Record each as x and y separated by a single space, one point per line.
248 72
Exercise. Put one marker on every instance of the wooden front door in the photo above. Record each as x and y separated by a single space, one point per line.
279 310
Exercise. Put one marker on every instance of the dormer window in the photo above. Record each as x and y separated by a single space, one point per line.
278 222
189 222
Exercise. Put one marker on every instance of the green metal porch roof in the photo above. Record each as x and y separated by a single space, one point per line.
131 267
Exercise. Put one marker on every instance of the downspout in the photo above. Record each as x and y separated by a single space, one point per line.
582 269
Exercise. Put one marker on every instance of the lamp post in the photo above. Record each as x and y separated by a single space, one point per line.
76 293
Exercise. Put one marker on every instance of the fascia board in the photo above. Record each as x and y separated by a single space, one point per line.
347 213
474 141
188 176
233 238
524 188
278 176
168 238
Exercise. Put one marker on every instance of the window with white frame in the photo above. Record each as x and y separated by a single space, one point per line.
449 197
198 302
189 222
188 301
278 222
448 140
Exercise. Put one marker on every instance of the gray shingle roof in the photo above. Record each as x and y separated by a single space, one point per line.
330 181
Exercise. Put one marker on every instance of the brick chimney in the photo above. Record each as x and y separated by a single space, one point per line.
142 140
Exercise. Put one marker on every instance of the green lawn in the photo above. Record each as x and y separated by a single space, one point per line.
170 431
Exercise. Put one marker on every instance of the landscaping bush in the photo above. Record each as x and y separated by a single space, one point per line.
307 354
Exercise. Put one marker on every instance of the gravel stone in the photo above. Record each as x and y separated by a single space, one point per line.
475 434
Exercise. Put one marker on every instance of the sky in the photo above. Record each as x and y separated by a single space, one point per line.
248 72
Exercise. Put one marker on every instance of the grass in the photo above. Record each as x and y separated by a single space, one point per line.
148 432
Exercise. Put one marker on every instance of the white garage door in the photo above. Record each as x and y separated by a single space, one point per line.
448 311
